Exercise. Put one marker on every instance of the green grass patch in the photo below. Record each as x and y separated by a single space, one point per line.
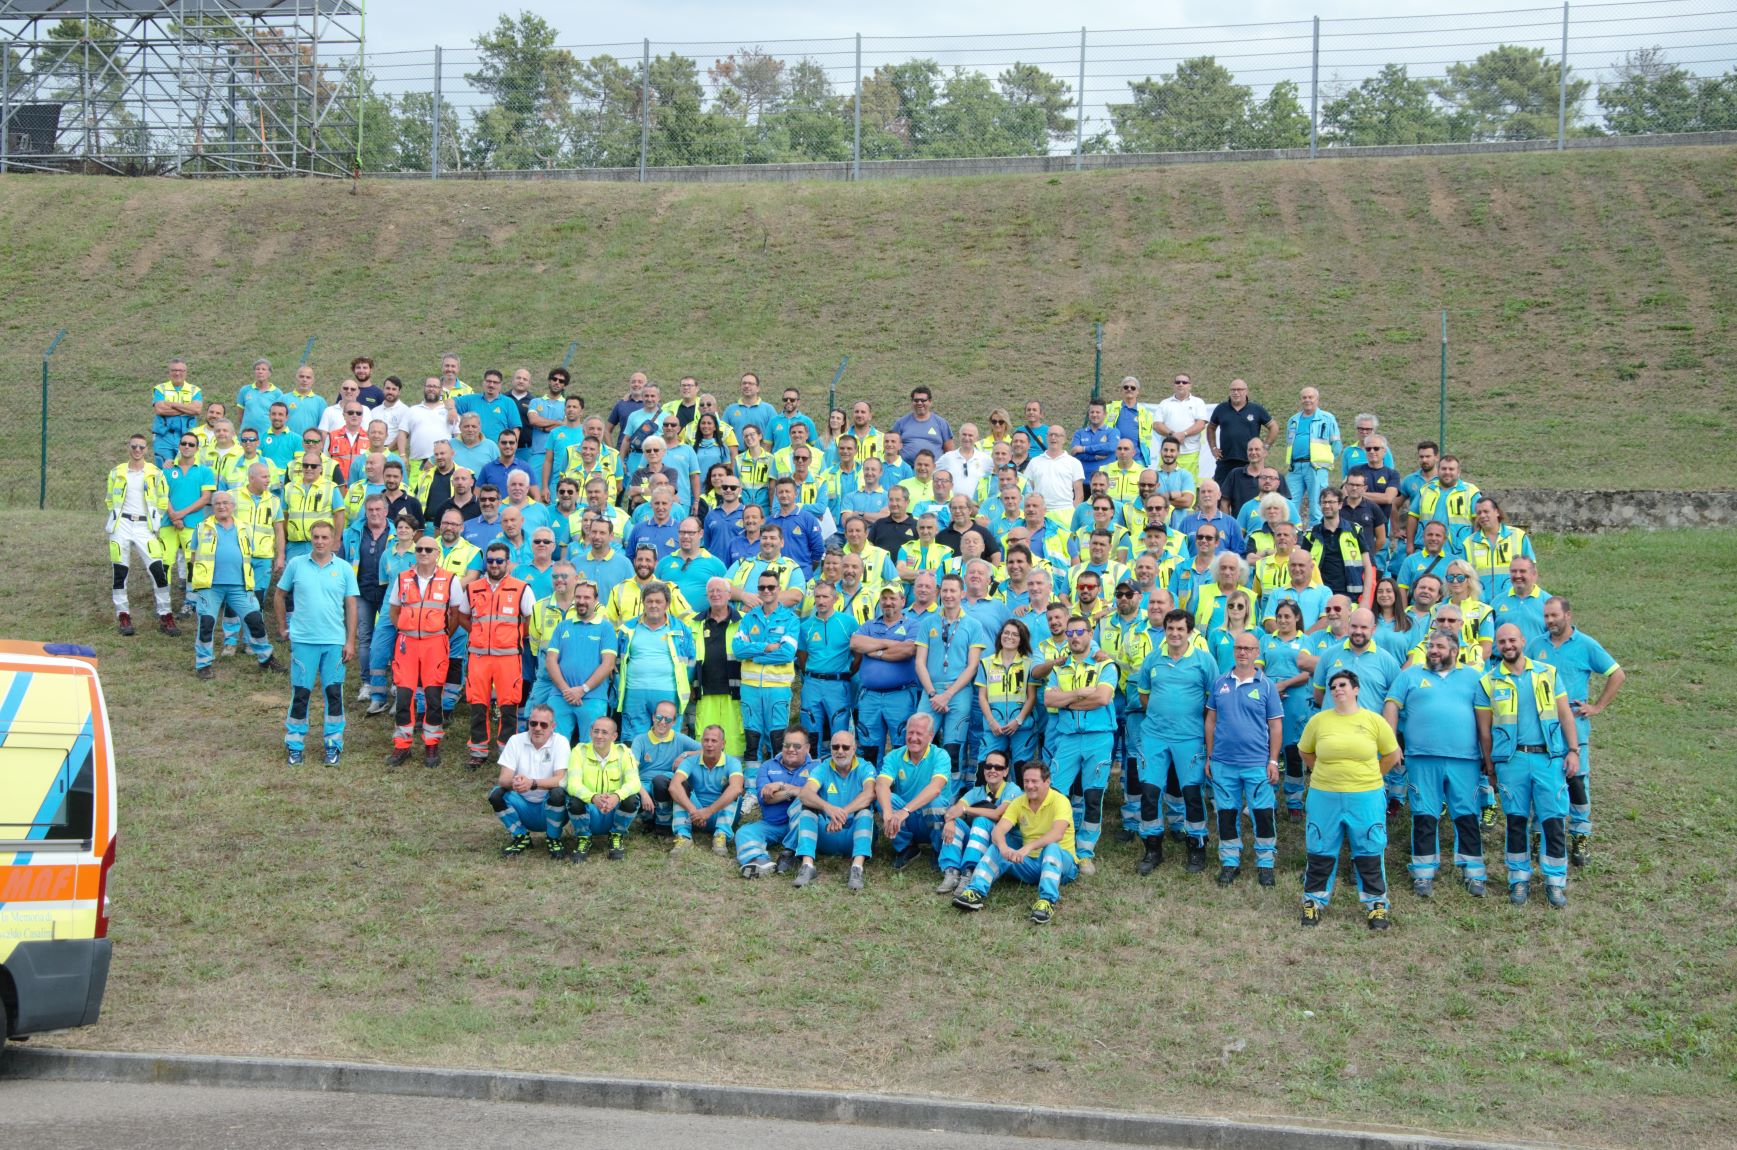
362 913
986 288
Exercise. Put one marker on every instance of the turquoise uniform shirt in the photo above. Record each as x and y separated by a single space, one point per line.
1375 670
321 591
705 783
185 486
1175 691
658 758
579 647
842 788
907 778
1437 711
1578 659
827 642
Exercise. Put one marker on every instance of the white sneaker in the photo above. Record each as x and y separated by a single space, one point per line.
1088 867
750 808
949 882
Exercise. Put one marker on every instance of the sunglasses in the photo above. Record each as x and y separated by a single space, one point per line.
999 768
663 718
842 747
538 724
494 560
1074 631
1456 578
425 550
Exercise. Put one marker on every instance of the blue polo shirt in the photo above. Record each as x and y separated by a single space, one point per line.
802 541
841 788
1525 613
660 535
186 485
1176 691
989 615
578 648
1578 659
916 435
827 642
877 674
908 778
738 416
497 414
321 591
1375 670
606 572
705 783
1437 711
945 646
771 771
657 756
691 575
1099 447
1239 736
226 567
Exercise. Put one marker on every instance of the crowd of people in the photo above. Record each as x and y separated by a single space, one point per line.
795 635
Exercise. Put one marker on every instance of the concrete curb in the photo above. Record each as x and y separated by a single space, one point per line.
896 1112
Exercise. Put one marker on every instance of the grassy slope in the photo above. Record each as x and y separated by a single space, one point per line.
1583 288
361 913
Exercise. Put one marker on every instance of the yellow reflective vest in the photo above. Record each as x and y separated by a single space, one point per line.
156 495
307 504
205 554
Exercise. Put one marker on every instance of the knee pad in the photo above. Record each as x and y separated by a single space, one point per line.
577 807
660 789
1094 799
1517 833
1555 834
631 804
207 627
334 698
557 799
1469 834
120 575
1369 870
498 798
1576 789
1293 762
1266 826
159 573
1173 784
255 624
299 698
1228 820
1319 867
1193 803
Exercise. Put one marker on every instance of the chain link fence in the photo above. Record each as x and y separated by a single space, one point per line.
518 101
192 90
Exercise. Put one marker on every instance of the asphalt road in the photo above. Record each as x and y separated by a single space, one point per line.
67 1115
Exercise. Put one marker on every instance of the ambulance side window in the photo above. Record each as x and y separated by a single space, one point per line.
44 795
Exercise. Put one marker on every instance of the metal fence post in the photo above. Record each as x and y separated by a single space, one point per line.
1562 86
1080 105
644 108
856 131
434 130
5 107
1315 90
42 473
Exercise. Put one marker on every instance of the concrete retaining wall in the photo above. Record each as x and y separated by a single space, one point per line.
1040 165
1583 512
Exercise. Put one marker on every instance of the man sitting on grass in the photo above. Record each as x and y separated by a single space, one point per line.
529 794
1042 818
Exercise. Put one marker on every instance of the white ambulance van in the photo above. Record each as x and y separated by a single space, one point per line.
57 838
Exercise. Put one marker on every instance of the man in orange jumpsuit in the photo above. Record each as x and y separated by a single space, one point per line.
493 610
421 600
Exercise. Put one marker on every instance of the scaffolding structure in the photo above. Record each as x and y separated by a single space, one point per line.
181 87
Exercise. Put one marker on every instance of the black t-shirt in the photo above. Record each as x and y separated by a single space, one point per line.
1332 563
1365 515
1240 487
719 674
371 396
1236 428
951 537
890 536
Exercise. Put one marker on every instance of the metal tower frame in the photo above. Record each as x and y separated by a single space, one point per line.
180 87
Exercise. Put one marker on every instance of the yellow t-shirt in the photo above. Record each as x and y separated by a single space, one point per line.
1347 750
1034 824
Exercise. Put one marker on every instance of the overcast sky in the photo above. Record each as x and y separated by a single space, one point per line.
395 25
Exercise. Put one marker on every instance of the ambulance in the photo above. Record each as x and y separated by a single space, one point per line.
57 838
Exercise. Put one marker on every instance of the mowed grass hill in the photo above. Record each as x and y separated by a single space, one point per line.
1591 296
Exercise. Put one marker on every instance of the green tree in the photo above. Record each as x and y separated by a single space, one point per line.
750 83
1027 85
682 130
1279 121
532 84
1508 93
414 121
1387 108
974 119
603 130
87 70
1716 103
1198 107
1650 94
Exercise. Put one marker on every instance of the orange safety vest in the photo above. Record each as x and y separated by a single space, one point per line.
495 622
345 451
422 614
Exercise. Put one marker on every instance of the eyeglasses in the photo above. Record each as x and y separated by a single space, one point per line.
538 724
